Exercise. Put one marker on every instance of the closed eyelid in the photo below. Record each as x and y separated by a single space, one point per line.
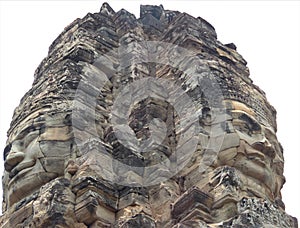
26 131
24 138
247 120
17 144
30 137
241 123
254 125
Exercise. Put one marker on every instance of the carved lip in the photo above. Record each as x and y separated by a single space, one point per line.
20 170
21 174
257 157
258 160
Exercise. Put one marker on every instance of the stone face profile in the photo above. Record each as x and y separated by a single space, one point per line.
148 122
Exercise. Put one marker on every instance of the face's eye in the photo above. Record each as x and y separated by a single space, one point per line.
246 124
29 138
242 127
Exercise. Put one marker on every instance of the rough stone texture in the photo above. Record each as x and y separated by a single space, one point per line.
59 172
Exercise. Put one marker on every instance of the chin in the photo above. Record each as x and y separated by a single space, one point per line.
22 186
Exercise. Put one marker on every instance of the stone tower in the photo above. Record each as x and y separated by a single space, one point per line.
148 122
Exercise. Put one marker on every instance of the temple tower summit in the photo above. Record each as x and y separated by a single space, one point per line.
143 122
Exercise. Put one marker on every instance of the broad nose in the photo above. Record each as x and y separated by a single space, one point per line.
266 147
12 159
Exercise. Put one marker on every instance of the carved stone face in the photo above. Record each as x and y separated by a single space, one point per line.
33 157
259 155
250 162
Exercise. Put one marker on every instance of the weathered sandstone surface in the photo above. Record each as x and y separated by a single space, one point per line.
148 122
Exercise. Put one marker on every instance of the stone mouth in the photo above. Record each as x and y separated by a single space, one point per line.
20 171
257 160
257 156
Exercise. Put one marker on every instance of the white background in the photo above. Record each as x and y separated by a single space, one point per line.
266 33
